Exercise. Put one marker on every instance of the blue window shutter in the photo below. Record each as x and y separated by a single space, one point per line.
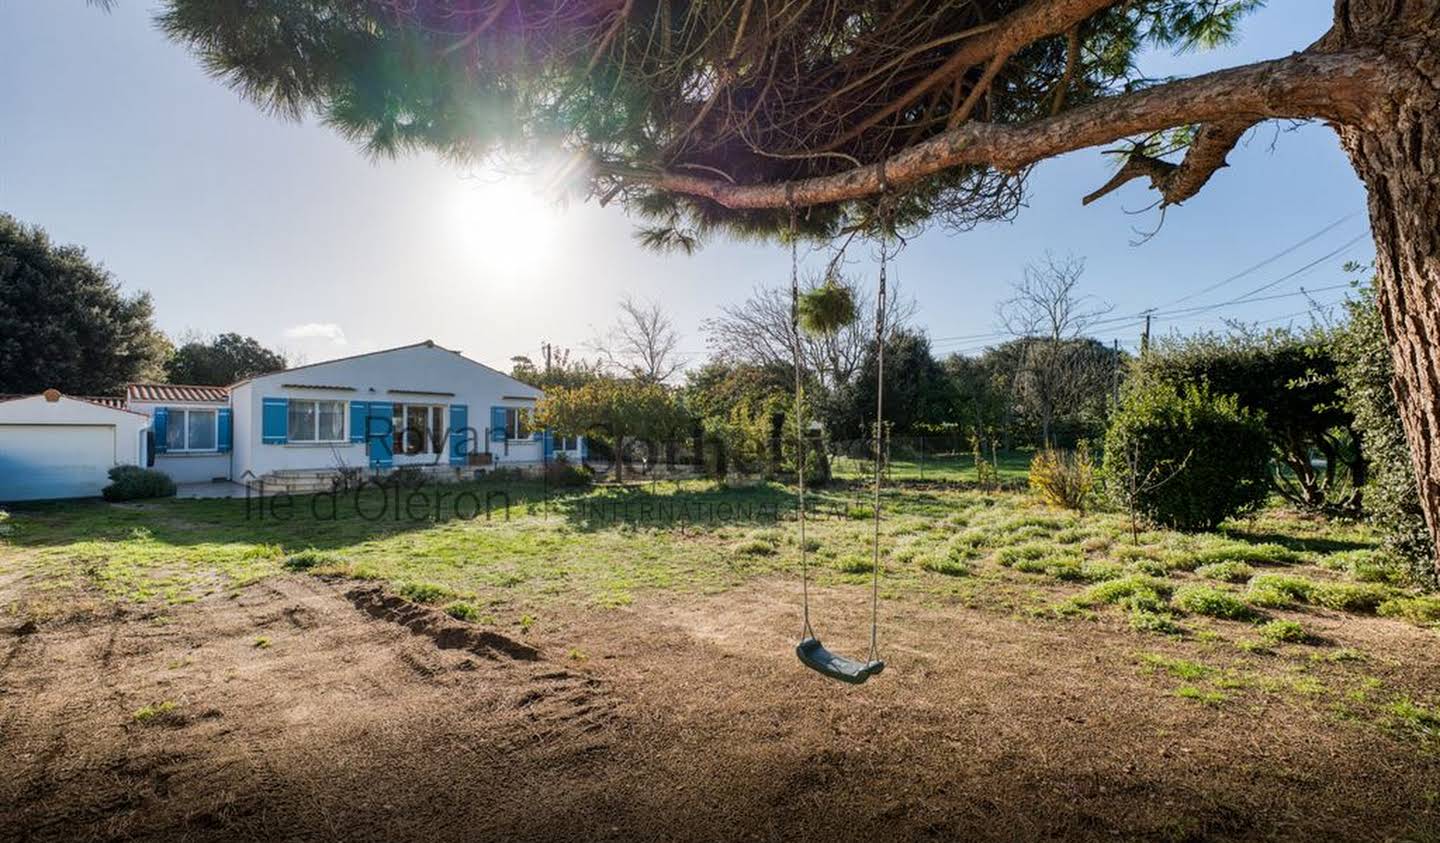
224 435
549 446
359 412
379 430
459 433
497 424
160 425
275 421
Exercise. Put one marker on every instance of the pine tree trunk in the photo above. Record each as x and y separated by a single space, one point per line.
1396 153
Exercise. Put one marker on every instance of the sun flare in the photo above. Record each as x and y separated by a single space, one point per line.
505 220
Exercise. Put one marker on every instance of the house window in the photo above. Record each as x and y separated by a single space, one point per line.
517 423
567 443
316 421
419 428
190 430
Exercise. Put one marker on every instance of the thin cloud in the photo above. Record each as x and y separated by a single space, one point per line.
317 331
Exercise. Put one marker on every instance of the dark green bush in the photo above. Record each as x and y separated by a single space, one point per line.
1391 496
131 482
1185 458
562 472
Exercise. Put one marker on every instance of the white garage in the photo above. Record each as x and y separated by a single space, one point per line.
54 446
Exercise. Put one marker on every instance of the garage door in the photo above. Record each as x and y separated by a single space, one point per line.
41 461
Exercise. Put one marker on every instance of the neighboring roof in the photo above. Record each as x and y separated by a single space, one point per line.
157 392
422 344
109 402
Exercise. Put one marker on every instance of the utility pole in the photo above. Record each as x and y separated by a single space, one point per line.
1145 337
1115 360
545 347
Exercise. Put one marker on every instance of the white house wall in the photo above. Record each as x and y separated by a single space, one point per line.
376 378
199 467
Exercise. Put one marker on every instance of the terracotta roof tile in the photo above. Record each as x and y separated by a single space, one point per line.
161 392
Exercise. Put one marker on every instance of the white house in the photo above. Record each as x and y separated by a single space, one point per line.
55 446
417 405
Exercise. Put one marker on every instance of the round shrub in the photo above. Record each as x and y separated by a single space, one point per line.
1185 458
131 482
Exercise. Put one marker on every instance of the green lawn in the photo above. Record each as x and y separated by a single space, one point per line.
912 463
608 546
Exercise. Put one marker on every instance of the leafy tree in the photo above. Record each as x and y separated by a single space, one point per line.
557 368
221 361
712 389
64 322
917 391
1291 378
1392 501
738 405
863 116
980 395
614 411
1200 457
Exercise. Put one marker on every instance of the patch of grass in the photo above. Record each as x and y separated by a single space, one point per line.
1176 667
1100 571
306 560
1422 611
1418 720
1259 554
156 713
262 643
974 538
755 547
1160 623
855 564
1200 695
462 611
1276 591
1030 552
946 566
1231 571
1149 567
425 592
1361 598
1212 602
1138 593
1284 631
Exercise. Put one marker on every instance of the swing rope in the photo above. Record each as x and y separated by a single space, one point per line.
810 651
879 415
806 631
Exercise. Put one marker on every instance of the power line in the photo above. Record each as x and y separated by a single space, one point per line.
1243 298
1262 264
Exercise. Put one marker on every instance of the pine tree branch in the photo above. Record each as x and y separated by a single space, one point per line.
1340 87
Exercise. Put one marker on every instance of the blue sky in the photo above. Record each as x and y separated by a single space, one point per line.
115 139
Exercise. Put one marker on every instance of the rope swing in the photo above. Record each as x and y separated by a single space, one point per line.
811 652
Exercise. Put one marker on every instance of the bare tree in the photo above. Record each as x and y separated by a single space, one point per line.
1057 367
642 342
759 331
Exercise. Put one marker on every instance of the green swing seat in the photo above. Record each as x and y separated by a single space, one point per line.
814 656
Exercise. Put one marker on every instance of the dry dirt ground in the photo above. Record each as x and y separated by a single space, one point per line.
327 710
